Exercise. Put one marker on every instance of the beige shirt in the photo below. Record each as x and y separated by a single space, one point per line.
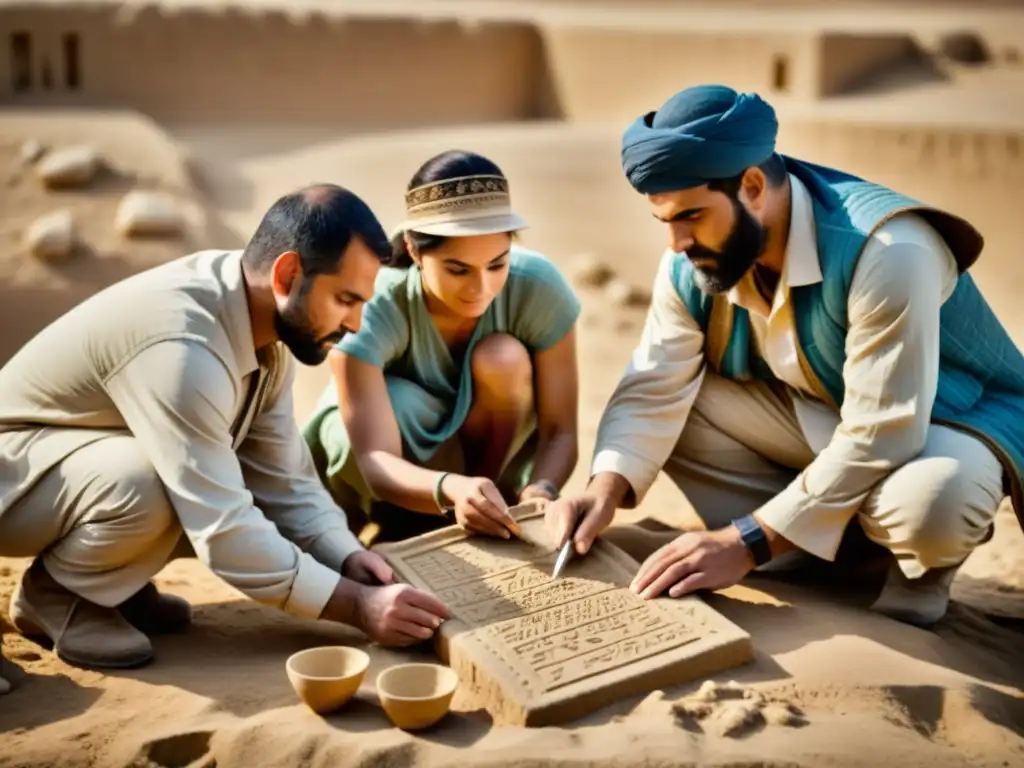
904 275
168 356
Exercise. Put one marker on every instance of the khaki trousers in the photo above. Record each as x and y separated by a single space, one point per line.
743 444
100 519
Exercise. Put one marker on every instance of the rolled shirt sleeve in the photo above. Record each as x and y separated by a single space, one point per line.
648 409
177 398
891 376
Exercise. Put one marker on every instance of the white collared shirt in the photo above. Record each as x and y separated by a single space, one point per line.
167 356
904 274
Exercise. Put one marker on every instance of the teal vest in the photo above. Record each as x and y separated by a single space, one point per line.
981 370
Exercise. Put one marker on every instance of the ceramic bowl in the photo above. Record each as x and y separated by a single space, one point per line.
327 677
416 696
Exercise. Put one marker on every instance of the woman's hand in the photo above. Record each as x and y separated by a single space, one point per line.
479 507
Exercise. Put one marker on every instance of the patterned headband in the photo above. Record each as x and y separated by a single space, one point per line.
459 199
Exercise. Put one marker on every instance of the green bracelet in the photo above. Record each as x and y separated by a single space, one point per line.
445 510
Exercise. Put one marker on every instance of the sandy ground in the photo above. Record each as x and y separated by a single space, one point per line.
870 689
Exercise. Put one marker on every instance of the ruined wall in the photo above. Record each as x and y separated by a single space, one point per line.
608 73
617 74
362 73
240 65
846 60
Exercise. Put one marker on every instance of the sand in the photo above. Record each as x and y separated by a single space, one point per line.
856 688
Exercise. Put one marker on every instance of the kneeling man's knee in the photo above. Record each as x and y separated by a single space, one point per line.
137 494
946 526
121 527
935 510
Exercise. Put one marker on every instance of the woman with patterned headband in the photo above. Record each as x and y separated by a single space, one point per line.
457 396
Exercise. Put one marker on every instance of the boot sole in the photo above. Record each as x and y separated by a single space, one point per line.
36 634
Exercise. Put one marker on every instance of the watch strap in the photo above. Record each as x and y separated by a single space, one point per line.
754 538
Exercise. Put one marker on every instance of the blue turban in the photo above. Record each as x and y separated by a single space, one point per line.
702 133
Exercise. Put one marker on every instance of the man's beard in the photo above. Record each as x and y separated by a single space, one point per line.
737 255
296 331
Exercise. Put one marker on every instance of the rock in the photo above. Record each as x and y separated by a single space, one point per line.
622 294
586 270
782 713
708 691
31 151
618 292
735 719
690 708
69 167
51 237
655 704
754 697
149 214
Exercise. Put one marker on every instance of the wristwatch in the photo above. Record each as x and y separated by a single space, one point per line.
754 537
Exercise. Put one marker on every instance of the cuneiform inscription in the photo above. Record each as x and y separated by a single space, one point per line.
546 595
551 621
502 585
561 648
604 659
464 561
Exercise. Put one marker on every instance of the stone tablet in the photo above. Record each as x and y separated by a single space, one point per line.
537 651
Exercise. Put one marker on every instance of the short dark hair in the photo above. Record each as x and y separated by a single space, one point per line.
774 170
447 165
318 222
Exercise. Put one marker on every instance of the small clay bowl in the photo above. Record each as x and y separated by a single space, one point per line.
327 677
416 696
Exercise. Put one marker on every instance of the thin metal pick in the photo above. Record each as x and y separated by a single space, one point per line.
563 558
567 551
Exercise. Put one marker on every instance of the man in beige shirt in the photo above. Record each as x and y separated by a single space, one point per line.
734 404
156 418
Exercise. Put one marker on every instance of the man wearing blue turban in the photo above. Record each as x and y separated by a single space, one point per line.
815 354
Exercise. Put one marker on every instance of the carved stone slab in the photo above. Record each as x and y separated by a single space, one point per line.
537 651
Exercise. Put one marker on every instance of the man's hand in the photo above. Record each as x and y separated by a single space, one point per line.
698 560
595 514
398 614
367 567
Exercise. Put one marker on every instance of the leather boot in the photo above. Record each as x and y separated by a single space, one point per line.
922 601
83 634
154 613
